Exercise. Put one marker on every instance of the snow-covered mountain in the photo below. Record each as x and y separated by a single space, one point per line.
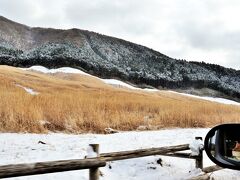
109 57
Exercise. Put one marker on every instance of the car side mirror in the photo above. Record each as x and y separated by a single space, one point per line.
222 145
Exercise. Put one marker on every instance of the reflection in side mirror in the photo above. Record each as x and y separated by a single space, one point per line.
222 145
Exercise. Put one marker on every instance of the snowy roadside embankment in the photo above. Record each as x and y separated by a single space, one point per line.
25 148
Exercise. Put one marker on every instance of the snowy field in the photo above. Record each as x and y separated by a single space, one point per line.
24 148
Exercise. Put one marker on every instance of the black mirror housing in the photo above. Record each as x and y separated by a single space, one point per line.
222 145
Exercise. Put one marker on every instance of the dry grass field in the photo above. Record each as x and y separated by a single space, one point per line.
78 104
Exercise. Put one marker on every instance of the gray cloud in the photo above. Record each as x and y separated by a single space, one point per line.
117 16
209 37
194 30
17 10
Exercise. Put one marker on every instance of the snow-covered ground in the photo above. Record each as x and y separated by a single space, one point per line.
28 90
24 148
118 83
52 71
213 99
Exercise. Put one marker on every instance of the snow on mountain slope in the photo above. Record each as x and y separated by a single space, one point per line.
113 82
24 148
118 83
213 99
58 70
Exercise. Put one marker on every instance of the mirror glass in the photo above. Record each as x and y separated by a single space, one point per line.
222 145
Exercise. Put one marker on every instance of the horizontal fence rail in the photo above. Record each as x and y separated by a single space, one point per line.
212 169
142 152
49 167
207 170
181 155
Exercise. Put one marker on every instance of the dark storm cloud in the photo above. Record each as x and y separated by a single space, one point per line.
194 30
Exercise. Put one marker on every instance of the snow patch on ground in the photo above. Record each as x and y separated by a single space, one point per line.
121 84
25 148
118 83
58 70
213 99
28 90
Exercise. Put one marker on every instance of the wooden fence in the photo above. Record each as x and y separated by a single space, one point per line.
93 164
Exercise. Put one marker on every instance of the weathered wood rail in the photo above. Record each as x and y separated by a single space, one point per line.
49 167
207 170
114 156
100 160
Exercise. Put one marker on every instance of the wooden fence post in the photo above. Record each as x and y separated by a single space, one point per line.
94 172
199 158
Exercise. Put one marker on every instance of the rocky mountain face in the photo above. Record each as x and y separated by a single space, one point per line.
110 57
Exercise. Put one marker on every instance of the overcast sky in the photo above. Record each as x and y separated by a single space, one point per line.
195 30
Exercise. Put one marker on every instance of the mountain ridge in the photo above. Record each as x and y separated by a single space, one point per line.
110 57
